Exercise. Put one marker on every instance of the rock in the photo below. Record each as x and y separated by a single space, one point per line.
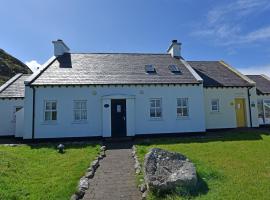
84 183
90 174
103 148
74 197
144 195
102 153
80 193
95 164
166 170
143 188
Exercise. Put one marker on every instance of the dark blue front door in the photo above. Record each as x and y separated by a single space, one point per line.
118 117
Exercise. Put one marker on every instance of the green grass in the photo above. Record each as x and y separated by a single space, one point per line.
39 172
230 165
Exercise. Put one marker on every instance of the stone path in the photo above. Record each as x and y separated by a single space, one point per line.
115 178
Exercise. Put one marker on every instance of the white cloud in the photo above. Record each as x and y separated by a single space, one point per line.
256 70
225 22
33 65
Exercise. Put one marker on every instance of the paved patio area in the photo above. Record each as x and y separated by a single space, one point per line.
115 178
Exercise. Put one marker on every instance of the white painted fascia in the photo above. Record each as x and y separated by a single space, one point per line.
192 71
237 73
9 82
41 70
266 77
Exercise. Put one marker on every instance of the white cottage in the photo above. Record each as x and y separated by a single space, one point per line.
229 96
129 94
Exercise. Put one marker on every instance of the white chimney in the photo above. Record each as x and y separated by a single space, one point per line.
175 49
60 48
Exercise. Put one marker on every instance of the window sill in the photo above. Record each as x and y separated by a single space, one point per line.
183 118
49 123
215 112
80 122
156 119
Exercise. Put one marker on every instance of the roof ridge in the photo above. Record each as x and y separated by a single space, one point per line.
115 53
10 82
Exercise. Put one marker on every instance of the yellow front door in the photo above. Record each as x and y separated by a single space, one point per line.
240 110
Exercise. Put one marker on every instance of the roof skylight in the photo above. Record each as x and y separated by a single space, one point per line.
150 69
174 69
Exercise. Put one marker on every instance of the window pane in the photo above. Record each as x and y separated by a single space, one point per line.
152 103
77 115
158 103
158 112
76 105
185 112
178 102
54 115
47 116
179 111
184 102
53 105
260 109
152 112
83 105
48 106
84 115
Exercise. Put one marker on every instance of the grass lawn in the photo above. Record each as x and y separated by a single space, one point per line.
230 165
39 172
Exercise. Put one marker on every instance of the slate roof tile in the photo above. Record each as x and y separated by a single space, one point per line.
215 74
113 68
262 83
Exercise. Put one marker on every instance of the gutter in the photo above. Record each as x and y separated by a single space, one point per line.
250 116
33 113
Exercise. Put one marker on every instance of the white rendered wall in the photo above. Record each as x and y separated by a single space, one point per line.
98 123
19 123
7 122
28 114
226 117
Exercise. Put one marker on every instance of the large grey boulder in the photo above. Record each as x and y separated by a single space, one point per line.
166 170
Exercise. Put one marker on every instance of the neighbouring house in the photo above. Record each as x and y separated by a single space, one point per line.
263 96
128 94
11 106
229 96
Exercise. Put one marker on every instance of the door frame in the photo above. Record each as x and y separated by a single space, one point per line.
106 113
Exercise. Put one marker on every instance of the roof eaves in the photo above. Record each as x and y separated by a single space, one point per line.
10 81
34 76
192 71
251 82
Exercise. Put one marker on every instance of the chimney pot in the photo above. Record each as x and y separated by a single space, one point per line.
60 47
175 49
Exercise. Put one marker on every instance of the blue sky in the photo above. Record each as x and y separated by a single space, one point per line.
237 31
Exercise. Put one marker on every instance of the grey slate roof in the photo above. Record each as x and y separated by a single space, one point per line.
215 74
14 88
262 83
113 68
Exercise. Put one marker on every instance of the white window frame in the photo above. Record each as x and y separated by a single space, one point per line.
50 111
80 110
217 105
182 107
155 108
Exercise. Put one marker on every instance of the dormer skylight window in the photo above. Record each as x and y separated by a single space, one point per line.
150 69
174 69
